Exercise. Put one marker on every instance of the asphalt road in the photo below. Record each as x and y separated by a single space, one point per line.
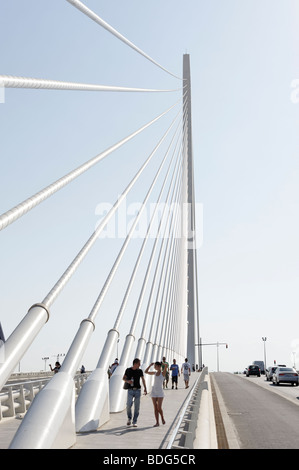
263 416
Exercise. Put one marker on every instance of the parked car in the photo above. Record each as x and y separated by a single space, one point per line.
261 365
285 375
270 372
253 370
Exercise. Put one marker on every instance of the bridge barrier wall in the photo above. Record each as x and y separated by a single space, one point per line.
196 427
16 397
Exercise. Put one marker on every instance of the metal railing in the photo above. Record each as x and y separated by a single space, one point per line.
16 397
185 431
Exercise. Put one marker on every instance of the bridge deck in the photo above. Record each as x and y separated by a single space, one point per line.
115 434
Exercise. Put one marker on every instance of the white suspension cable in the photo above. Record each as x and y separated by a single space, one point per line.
69 363
84 9
18 211
125 244
49 299
170 197
133 275
9 81
174 196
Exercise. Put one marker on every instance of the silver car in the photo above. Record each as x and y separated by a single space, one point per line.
285 375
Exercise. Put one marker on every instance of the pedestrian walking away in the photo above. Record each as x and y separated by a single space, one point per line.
186 371
157 393
165 365
175 373
132 377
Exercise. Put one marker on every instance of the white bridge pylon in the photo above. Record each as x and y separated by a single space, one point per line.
55 416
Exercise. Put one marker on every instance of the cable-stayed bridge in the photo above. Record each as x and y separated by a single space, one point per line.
165 317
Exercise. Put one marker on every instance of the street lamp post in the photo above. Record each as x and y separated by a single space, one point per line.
45 359
264 341
213 344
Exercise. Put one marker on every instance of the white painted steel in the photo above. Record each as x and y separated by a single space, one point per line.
114 395
21 209
90 414
74 355
83 8
15 398
53 419
55 291
117 396
49 407
9 81
182 415
21 338
62 431
142 341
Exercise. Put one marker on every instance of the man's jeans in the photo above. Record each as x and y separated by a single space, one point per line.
133 395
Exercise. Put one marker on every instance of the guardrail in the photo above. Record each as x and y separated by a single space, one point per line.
193 427
16 398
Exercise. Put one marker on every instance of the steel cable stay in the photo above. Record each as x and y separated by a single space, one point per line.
54 414
88 12
21 209
159 276
125 299
165 339
9 81
159 349
170 342
38 314
100 298
160 262
141 296
134 272
79 343
92 398
166 217
157 281
150 346
165 293
169 201
168 304
116 400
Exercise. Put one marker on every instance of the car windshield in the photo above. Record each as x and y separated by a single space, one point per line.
286 369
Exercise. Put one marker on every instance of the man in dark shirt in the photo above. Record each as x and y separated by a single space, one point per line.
132 377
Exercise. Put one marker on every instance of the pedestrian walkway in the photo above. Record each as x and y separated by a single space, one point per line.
115 434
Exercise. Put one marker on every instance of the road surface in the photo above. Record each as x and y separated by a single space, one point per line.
262 415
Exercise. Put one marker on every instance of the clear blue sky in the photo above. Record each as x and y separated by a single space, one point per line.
244 57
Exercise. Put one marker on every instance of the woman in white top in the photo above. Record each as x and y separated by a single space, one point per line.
157 393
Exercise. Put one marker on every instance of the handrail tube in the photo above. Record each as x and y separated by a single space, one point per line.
188 400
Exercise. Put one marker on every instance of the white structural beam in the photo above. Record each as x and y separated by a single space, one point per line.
93 396
46 409
20 343
9 81
21 209
93 16
193 328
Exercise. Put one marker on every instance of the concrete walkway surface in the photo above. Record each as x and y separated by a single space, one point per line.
115 434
